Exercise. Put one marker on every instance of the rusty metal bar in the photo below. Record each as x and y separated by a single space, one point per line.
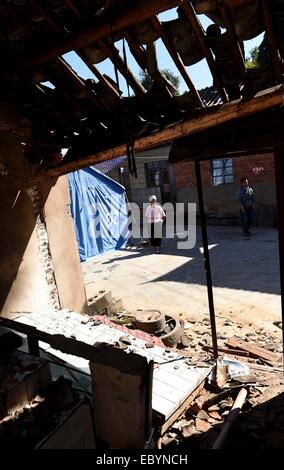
206 258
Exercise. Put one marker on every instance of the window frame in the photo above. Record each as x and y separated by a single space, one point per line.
220 174
154 167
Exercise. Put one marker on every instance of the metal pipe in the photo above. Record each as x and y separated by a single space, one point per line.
231 418
206 258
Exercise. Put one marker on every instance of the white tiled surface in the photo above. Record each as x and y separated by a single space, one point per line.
173 379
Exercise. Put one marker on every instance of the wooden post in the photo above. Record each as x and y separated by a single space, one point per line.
279 180
231 418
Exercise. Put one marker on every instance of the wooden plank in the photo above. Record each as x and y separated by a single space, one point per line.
272 44
229 24
176 59
127 16
140 56
252 349
113 53
108 86
234 352
227 112
185 405
190 13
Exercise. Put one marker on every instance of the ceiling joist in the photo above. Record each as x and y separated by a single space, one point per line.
228 112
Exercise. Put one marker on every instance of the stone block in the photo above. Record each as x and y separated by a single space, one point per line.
99 302
115 307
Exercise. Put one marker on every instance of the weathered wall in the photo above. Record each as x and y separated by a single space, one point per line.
22 279
39 261
63 245
259 169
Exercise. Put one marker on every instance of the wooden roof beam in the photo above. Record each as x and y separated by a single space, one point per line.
108 86
80 84
140 56
272 44
191 15
94 70
89 34
113 53
230 27
136 49
231 111
176 59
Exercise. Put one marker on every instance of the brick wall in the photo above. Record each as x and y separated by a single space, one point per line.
257 168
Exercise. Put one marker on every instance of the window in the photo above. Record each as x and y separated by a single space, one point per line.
222 171
157 173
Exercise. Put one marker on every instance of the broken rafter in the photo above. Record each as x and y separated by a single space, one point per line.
176 59
272 45
140 56
79 83
230 27
227 112
92 33
98 74
191 15
136 49
113 53
56 27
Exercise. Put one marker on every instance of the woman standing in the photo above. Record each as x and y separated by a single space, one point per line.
155 217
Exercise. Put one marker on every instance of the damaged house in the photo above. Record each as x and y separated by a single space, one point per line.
45 106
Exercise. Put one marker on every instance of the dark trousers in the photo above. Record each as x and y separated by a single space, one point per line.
246 219
155 233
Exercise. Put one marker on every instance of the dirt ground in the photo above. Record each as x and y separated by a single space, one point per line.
245 276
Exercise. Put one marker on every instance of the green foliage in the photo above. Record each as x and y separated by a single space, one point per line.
173 80
259 56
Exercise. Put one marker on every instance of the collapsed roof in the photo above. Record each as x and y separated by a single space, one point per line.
92 118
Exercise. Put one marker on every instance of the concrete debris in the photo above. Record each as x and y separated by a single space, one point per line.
202 415
201 425
188 430
125 339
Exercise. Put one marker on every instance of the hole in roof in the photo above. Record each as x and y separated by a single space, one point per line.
131 62
200 74
251 44
168 15
165 62
64 151
107 68
78 65
48 84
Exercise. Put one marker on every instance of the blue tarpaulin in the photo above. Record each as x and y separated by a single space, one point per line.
99 210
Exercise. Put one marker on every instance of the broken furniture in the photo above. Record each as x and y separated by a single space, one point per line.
166 390
56 418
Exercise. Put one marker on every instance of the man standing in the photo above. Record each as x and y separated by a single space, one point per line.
245 198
